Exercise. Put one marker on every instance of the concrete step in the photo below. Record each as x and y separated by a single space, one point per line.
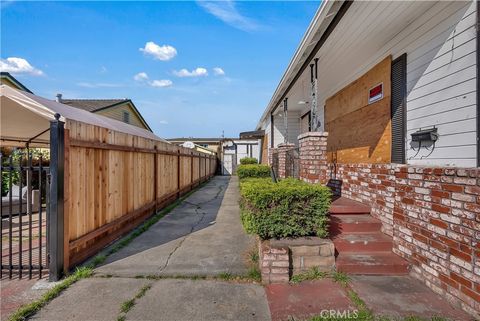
362 242
347 223
344 205
371 263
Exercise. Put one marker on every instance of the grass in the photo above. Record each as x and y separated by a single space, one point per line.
226 276
129 304
312 274
341 277
27 310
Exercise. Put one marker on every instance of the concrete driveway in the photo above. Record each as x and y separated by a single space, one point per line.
202 236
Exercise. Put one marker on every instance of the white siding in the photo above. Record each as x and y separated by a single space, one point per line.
293 128
441 84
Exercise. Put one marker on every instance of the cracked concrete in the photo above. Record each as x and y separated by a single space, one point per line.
201 236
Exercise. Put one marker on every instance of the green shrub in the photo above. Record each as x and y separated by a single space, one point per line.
289 208
253 170
248 160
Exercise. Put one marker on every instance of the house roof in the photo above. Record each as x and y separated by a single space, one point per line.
94 105
195 140
252 134
13 80
24 115
324 21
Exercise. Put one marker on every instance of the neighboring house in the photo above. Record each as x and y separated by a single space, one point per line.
233 150
382 100
212 144
385 71
7 79
120 109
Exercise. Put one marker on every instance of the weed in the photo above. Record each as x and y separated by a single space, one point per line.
121 317
312 274
226 276
341 277
143 290
127 305
27 310
254 274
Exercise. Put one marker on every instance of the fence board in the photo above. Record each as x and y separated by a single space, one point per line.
116 180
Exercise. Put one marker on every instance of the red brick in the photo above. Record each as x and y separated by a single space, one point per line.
438 223
461 279
452 188
470 293
447 280
464 256
442 194
440 208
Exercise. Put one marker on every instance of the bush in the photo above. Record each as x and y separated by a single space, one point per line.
289 208
253 170
248 160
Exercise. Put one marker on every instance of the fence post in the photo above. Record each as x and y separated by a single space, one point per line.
56 222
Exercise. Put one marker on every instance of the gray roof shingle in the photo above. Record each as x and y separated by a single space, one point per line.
92 105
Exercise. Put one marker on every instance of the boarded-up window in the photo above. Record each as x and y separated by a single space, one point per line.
399 91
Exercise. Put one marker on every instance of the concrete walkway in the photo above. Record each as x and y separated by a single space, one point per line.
202 236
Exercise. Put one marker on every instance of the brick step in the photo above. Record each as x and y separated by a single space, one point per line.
371 263
344 205
353 223
362 242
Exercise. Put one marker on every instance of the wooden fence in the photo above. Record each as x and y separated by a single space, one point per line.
113 181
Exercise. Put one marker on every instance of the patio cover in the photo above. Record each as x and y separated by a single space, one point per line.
24 116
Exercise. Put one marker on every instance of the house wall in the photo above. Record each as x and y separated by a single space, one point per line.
433 215
441 82
359 132
116 112
293 128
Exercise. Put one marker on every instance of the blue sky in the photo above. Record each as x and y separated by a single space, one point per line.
191 68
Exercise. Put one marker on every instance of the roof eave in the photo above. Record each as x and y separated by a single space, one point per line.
317 21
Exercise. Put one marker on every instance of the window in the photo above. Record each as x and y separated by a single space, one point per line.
126 117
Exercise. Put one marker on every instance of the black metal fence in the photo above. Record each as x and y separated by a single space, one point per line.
24 213
292 163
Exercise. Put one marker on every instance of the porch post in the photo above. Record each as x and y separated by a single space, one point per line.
313 157
55 227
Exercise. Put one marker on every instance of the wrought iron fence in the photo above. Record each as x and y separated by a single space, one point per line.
24 215
292 163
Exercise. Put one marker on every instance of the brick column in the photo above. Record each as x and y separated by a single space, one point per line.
282 158
313 157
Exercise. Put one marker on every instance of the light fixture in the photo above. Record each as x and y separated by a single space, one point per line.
302 102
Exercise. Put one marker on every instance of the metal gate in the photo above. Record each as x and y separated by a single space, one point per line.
275 164
25 181
292 163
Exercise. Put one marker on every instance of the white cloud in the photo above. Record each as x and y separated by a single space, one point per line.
217 71
163 53
141 76
161 83
16 65
163 122
197 72
228 13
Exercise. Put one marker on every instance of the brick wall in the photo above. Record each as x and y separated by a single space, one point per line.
433 215
313 157
372 185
